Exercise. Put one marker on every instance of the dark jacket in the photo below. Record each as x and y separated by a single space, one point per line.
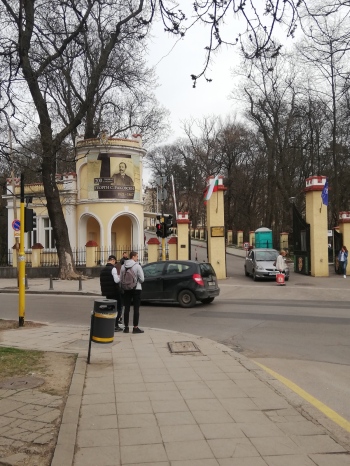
109 288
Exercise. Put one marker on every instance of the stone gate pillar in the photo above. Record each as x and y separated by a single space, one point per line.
183 224
216 228
316 216
344 228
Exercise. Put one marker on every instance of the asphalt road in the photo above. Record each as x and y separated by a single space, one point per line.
300 332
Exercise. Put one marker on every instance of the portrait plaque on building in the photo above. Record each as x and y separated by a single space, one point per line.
113 175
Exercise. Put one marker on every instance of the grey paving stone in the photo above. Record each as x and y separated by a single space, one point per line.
169 406
140 436
154 378
301 428
211 404
137 407
317 444
183 374
160 386
143 453
97 438
181 433
250 461
268 446
130 397
194 394
212 417
98 409
229 448
202 462
270 402
331 460
260 430
221 431
290 460
33 426
128 387
136 420
238 404
175 419
8 406
190 450
97 398
99 422
251 416
166 395
46 438
101 456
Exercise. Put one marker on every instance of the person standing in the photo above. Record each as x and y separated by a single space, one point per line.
343 260
124 258
109 283
281 262
134 293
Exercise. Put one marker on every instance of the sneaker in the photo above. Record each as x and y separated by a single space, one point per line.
126 330
118 329
137 330
344 276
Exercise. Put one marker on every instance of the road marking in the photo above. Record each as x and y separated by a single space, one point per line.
335 417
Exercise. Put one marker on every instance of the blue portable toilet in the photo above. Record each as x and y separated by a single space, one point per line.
263 238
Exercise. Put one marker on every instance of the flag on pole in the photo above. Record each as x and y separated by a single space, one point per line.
324 194
213 187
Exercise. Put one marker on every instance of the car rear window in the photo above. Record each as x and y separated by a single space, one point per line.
173 269
206 269
266 255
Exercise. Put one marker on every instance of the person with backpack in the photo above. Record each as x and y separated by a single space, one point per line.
131 277
109 283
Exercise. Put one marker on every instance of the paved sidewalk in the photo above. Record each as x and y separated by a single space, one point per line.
139 403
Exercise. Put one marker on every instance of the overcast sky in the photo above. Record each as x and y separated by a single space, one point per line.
174 63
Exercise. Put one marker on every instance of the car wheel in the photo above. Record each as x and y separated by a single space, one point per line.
207 300
186 298
246 273
255 278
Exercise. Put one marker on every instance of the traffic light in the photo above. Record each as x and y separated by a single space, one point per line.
168 226
159 229
29 222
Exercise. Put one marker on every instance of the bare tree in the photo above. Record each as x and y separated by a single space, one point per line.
62 55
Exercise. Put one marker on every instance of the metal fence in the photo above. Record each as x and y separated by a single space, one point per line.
102 254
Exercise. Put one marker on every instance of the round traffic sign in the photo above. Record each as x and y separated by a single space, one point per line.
16 225
246 246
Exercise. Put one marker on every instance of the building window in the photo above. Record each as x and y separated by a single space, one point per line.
31 238
49 242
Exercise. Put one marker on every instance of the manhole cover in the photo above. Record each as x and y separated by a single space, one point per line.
183 347
15 383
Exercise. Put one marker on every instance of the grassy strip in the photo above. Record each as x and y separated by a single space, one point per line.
16 362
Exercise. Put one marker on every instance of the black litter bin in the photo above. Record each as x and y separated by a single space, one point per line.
103 320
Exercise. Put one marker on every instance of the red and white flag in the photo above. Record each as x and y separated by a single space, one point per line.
213 187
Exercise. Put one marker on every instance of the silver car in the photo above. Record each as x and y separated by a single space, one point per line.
260 263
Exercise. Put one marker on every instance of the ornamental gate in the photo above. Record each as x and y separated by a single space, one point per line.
301 242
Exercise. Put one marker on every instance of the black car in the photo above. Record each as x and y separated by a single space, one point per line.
183 281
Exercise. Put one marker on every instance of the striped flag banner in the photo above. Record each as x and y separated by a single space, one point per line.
213 187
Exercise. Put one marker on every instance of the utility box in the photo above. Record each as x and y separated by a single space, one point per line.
263 238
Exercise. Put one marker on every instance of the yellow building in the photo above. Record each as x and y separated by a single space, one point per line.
102 201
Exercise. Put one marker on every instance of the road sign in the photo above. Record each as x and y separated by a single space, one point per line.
162 194
16 225
17 234
246 246
161 180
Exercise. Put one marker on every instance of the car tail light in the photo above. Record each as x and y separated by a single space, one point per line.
198 279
